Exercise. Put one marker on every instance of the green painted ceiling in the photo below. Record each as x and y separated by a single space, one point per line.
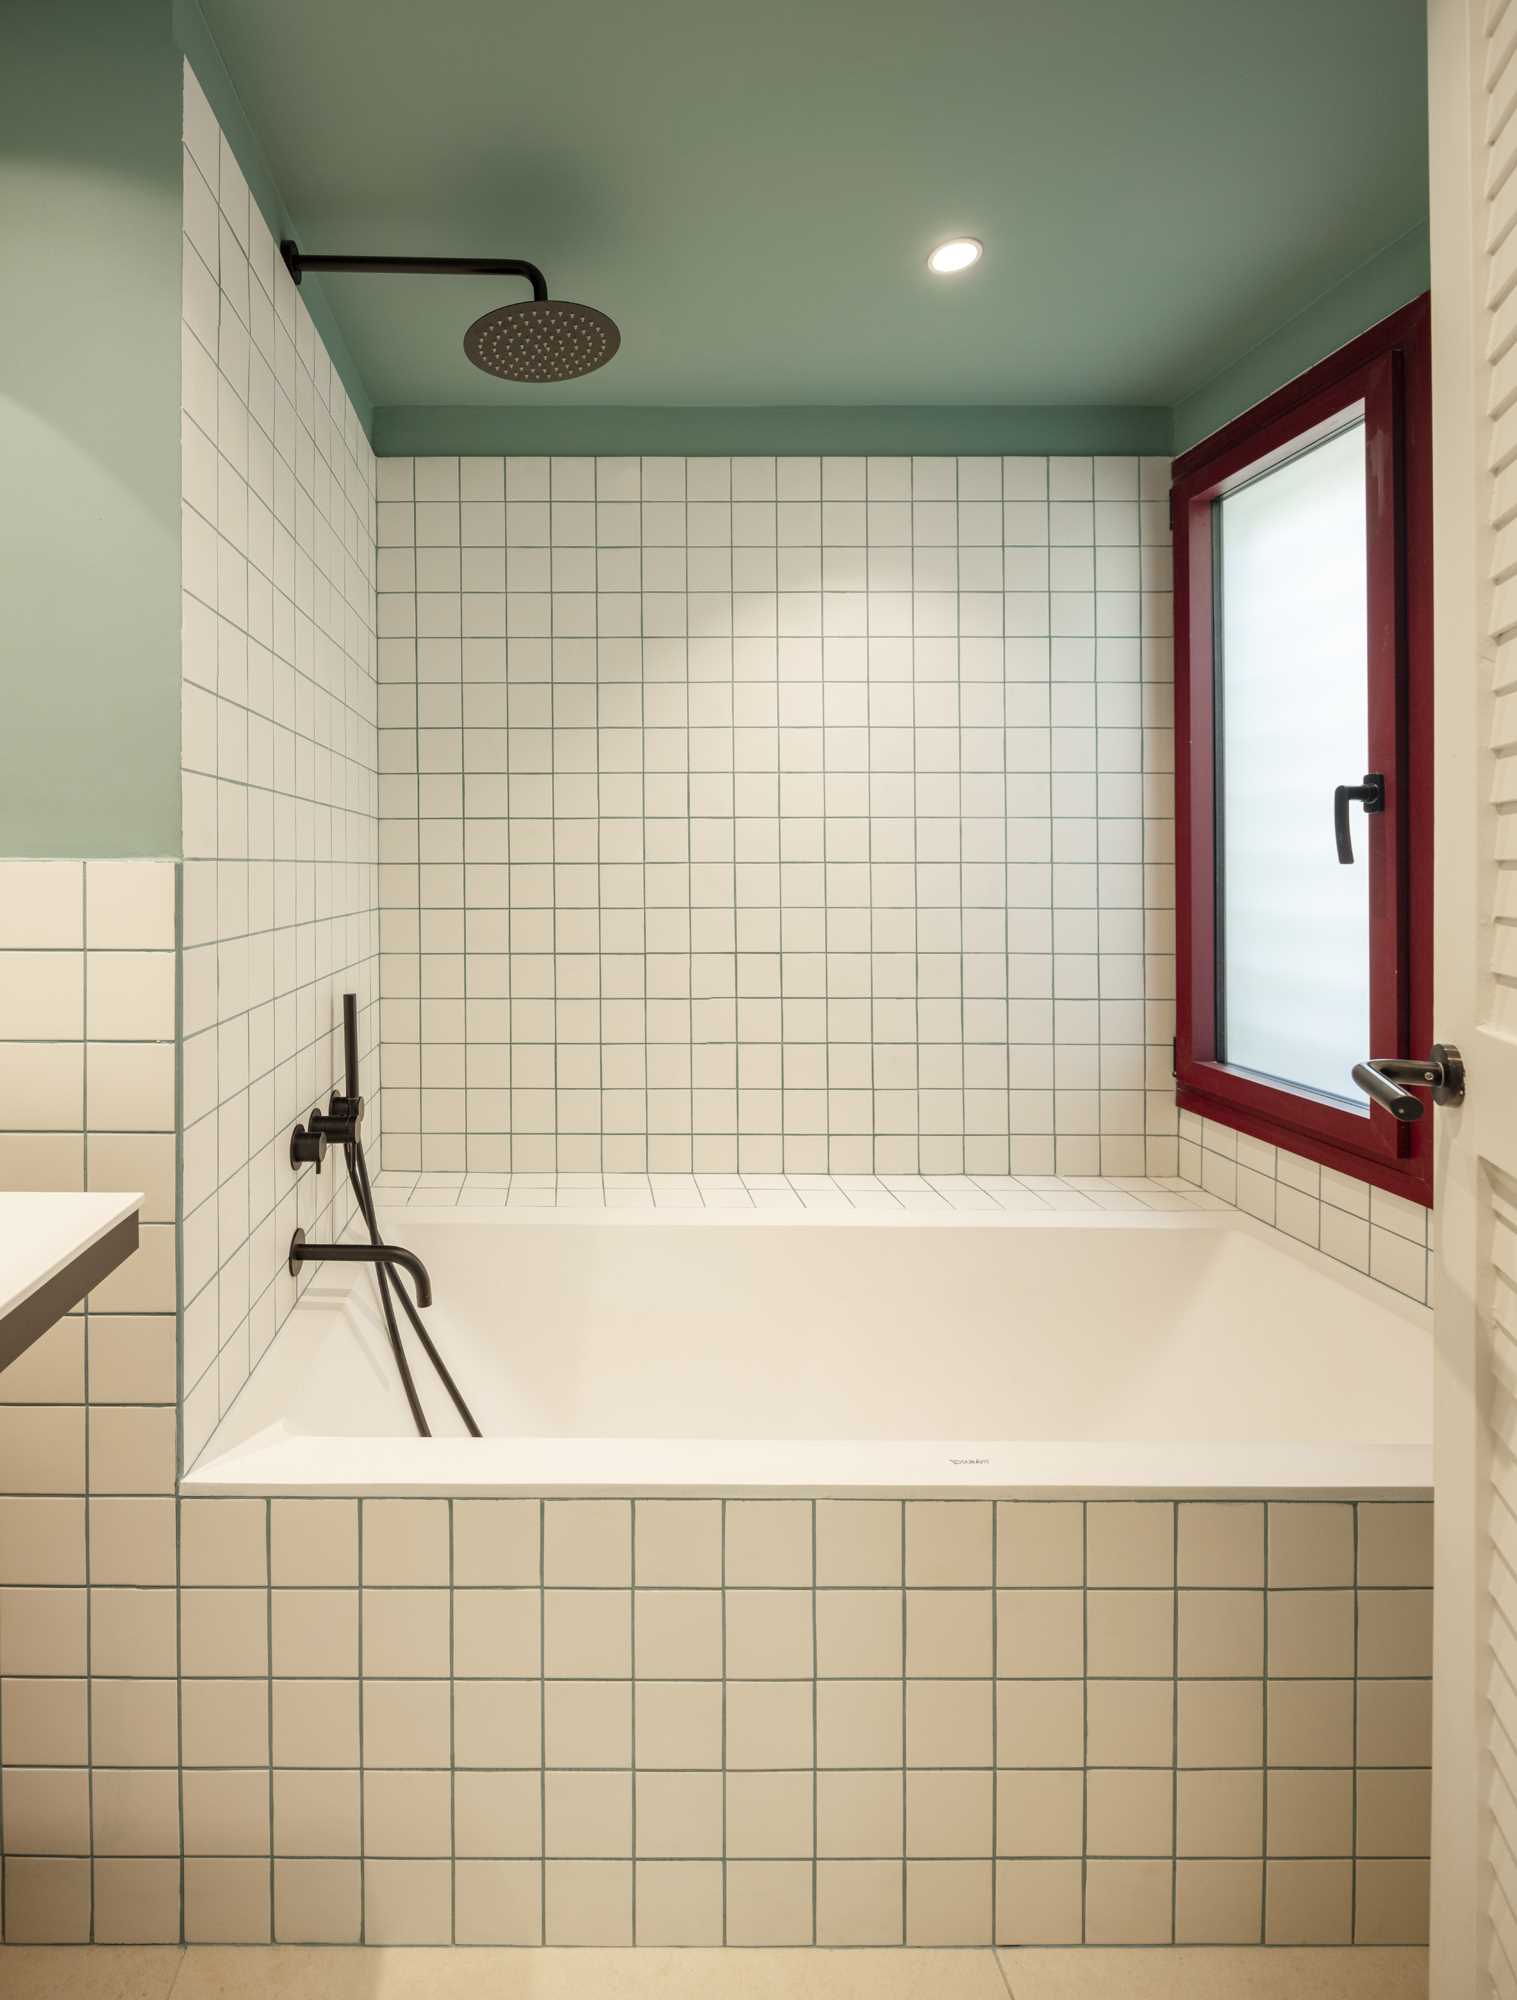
750 189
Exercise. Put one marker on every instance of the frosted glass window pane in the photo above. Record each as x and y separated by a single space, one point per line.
1292 679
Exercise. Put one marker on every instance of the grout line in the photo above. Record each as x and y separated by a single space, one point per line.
1084 1506
726 1771
905 1692
1174 1729
632 1770
995 1721
542 1713
89 1594
360 1510
600 940
268 1584
816 1747
453 1678
1353 1748
1264 1679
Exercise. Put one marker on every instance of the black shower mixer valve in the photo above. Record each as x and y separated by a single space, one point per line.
308 1145
341 1122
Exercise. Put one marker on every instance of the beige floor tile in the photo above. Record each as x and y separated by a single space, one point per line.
88 1972
1246 1973
294 1974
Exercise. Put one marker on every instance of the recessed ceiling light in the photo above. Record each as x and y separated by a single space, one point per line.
957 254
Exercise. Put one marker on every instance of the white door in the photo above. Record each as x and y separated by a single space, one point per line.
1473 104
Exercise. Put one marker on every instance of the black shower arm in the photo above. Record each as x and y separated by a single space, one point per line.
297 263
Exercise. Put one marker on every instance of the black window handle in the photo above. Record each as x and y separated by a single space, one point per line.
1371 795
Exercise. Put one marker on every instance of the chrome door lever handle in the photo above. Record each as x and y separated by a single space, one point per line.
1382 1078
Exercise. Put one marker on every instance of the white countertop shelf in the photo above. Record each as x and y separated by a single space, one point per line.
54 1249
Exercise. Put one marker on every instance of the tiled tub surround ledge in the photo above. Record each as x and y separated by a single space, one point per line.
722 1350
880 1194
750 1722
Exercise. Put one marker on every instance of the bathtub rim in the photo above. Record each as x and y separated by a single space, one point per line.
450 1468
315 1465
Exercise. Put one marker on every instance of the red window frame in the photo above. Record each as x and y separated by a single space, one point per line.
1388 371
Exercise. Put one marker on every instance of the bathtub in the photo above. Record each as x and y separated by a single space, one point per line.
657 1353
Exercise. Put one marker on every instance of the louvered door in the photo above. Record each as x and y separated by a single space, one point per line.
1473 100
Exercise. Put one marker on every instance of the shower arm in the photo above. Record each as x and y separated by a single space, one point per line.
297 263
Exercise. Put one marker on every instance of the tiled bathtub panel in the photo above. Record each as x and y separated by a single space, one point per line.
279 767
758 1722
776 815
1378 1233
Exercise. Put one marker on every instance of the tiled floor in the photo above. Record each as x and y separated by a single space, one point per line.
208 1972
937 1194
1360 1973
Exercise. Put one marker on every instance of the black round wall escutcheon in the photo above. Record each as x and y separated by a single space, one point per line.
307 1148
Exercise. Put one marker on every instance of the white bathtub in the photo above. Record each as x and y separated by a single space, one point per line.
650 1353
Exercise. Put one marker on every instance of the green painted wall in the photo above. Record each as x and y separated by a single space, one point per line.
1398 274
90 121
588 431
89 428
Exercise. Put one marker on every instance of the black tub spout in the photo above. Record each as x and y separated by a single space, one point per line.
302 1252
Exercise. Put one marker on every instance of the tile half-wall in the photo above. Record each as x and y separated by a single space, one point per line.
776 815
89 1414
278 753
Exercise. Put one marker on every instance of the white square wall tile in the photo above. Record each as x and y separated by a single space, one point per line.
131 995
42 1086
41 995
41 905
130 905
1398 1262
131 1086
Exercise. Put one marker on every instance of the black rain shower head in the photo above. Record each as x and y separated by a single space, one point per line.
542 340
538 340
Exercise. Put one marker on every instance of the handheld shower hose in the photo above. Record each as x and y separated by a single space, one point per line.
342 1123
